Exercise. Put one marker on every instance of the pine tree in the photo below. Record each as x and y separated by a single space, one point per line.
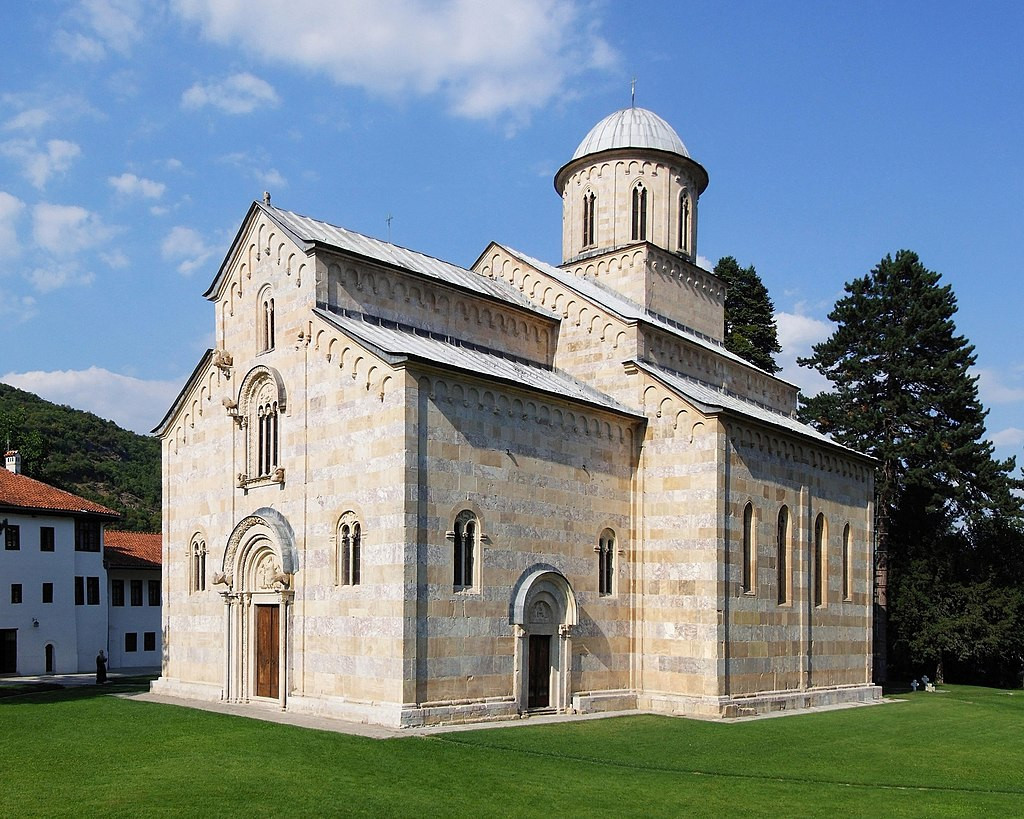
903 393
750 329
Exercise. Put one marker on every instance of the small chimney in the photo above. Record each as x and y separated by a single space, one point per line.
13 459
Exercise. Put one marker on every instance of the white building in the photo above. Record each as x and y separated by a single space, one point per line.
54 590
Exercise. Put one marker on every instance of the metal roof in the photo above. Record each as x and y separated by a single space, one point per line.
397 340
711 399
631 128
309 231
629 310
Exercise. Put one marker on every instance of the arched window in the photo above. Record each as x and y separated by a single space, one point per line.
589 207
820 575
350 549
782 559
267 450
606 563
465 539
847 579
197 564
748 549
266 319
684 222
639 212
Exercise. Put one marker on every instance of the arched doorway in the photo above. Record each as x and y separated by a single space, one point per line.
542 614
259 565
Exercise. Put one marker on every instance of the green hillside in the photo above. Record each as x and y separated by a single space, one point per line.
81 453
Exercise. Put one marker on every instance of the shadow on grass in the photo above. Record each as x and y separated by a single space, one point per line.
34 693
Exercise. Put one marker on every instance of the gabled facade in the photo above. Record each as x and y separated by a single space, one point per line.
404 492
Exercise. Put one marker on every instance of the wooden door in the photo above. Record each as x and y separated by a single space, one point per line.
539 683
267 646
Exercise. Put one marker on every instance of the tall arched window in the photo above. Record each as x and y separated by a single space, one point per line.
589 207
266 414
606 563
748 549
782 559
266 319
820 575
684 222
847 579
465 540
197 564
639 212
350 549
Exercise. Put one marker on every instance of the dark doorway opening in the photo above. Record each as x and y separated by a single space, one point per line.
539 683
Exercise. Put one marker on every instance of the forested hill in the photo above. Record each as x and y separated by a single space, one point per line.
81 453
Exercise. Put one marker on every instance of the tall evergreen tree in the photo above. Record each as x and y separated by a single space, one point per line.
903 393
750 329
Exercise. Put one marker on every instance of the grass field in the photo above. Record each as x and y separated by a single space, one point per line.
82 752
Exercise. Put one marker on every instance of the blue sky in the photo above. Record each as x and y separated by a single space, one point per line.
134 135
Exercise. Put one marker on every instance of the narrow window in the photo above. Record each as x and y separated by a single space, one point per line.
589 201
606 563
45 538
131 641
136 592
197 574
47 592
349 537
12 537
782 559
15 593
684 221
748 549
149 641
154 592
92 591
847 580
116 592
87 536
820 578
465 545
79 591
639 212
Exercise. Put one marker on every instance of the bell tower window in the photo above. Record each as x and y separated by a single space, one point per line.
589 202
639 232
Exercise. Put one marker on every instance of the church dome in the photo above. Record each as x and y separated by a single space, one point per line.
631 128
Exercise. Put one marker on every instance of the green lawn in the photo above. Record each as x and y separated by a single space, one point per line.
82 752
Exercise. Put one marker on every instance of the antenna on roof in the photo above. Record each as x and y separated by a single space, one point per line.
632 93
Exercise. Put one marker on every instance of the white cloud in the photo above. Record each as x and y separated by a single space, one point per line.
485 58
114 25
10 210
130 402
238 94
57 276
1008 438
128 184
65 230
31 119
992 388
38 164
16 308
188 246
797 334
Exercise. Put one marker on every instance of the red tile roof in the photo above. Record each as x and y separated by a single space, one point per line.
20 492
131 550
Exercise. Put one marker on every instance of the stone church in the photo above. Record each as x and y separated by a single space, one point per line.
404 492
